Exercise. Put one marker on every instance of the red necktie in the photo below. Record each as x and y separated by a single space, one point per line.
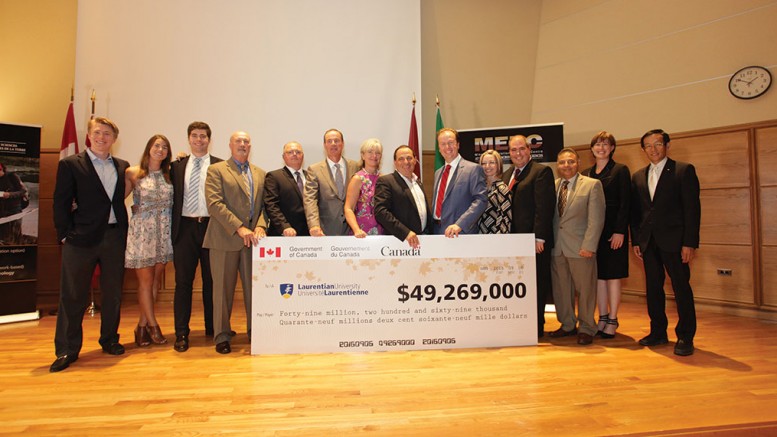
441 191
515 179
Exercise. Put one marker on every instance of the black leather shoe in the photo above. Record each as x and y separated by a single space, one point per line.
683 348
561 333
223 347
62 363
181 343
114 349
653 340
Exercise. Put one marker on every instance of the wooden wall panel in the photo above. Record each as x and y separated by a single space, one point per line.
47 235
769 216
48 173
766 148
722 160
707 284
769 272
725 216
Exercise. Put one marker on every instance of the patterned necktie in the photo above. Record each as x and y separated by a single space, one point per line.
193 190
441 191
339 181
299 181
515 179
249 188
562 198
652 180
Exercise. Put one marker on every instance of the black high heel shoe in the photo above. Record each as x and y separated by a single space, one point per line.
610 322
602 318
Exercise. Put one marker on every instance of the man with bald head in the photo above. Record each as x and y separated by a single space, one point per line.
283 192
234 194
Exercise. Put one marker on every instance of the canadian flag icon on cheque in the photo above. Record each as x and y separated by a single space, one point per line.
269 252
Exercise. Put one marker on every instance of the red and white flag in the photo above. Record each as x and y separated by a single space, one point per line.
69 144
269 252
412 142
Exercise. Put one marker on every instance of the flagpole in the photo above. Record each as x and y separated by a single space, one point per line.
93 308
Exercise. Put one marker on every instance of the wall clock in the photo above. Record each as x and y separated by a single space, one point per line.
750 82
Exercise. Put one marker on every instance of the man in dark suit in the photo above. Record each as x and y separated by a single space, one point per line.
91 222
400 204
325 188
665 219
577 225
459 190
532 188
283 192
234 193
190 221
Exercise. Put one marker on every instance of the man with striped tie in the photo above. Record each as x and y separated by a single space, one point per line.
190 221
234 192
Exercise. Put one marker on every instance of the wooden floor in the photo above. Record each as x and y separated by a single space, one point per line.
614 387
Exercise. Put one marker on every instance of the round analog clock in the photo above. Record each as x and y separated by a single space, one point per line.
750 82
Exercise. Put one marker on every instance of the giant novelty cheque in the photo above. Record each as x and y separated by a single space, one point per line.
347 294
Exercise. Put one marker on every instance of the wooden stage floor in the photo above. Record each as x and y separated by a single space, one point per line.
614 387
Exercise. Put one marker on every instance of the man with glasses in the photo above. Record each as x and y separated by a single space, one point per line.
665 218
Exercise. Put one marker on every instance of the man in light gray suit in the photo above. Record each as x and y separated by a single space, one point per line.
234 191
459 190
325 188
577 225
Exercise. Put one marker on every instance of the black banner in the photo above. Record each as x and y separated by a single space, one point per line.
545 140
19 188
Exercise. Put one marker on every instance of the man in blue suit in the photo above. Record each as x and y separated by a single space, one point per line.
459 190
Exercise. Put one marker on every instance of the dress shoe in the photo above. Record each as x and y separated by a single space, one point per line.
584 339
653 340
114 349
223 347
156 334
610 322
601 324
142 339
232 333
181 343
558 333
62 363
683 348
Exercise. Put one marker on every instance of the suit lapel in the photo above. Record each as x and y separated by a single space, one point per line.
237 177
666 174
293 181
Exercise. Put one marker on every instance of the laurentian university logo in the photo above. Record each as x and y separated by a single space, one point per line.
287 290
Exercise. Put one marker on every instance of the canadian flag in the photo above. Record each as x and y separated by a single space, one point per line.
268 252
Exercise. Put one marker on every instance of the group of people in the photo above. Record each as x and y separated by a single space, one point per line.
200 209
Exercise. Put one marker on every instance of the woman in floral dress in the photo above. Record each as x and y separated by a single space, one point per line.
149 246
359 202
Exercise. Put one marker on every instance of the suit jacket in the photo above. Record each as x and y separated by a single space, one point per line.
533 201
581 225
283 203
323 205
228 205
616 182
77 180
466 198
177 175
395 207
673 217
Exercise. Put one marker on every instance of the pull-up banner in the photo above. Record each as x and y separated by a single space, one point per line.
545 141
19 176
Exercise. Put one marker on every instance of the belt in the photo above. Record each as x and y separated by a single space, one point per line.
196 219
112 225
436 222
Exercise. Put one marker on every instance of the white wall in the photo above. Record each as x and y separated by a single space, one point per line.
280 70
631 66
